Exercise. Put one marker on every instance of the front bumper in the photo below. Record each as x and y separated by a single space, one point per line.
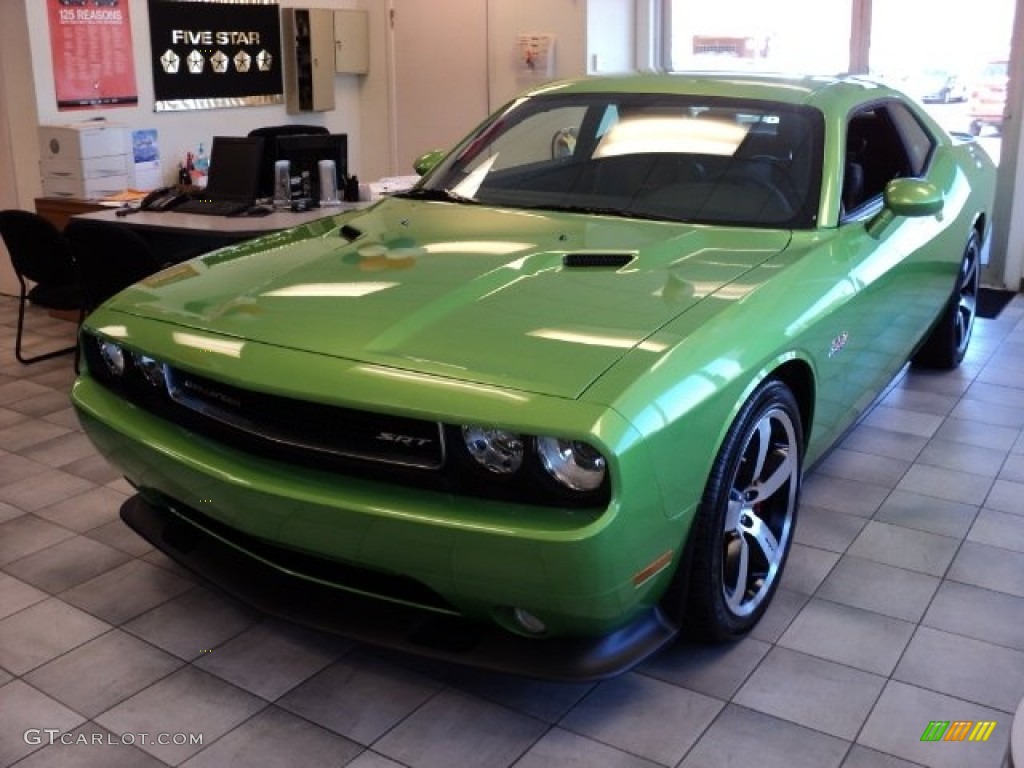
418 558
286 594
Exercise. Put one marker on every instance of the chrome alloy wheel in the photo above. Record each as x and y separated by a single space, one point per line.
967 297
761 508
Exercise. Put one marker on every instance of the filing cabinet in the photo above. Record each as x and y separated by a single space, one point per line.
309 59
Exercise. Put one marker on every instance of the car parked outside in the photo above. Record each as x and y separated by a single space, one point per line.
988 98
937 86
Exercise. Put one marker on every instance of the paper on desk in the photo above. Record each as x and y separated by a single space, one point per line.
126 196
387 186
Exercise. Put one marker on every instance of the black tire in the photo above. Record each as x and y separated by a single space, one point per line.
947 342
745 523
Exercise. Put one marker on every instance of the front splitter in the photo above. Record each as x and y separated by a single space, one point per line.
287 595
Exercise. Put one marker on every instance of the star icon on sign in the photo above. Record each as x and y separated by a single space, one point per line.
219 62
264 61
242 61
170 62
195 63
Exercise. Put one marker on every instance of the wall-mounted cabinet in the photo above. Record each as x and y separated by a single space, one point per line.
308 59
352 42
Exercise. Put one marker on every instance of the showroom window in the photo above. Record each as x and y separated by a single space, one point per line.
957 64
786 35
953 61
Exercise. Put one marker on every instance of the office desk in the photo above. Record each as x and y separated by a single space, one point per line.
230 227
60 209
175 236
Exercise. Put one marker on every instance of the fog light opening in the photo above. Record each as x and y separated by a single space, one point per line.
496 450
528 622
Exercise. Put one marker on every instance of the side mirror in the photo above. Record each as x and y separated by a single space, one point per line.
425 163
563 143
906 197
912 197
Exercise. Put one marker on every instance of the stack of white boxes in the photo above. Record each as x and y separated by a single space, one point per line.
84 160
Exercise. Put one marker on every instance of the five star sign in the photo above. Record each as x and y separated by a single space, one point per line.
170 62
195 62
219 62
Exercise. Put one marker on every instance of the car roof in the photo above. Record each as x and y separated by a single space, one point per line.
817 90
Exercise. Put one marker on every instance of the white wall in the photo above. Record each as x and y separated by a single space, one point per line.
19 157
439 86
180 132
19 103
374 98
611 36
366 107
365 104
507 19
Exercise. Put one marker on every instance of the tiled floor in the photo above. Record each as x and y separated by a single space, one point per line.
903 603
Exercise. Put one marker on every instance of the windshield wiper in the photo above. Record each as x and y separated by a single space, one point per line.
596 210
442 195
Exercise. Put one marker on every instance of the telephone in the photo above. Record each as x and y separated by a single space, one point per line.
166 198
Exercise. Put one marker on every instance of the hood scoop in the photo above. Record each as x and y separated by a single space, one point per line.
597 260
350 233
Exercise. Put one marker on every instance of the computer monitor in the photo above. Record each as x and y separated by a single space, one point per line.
305 151
234 168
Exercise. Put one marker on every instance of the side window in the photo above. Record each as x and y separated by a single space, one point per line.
875 155
918 142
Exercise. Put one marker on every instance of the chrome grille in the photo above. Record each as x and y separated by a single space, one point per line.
309 426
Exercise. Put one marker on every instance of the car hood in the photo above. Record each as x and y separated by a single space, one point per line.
529 300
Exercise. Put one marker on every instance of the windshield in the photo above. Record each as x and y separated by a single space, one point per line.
676 158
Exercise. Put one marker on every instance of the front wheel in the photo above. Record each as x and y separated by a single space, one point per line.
946 344
745 522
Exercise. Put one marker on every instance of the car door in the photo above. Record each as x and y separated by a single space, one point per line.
897 280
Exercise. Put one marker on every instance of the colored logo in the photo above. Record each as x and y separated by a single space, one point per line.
958 730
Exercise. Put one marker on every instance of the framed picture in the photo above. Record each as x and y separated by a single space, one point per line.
209 54
93 61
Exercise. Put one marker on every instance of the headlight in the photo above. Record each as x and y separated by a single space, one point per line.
572 463
495 449
113 357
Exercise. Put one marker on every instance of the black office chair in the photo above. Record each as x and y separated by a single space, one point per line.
269 135
39 254
109 257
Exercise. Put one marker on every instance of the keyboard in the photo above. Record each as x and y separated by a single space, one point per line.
211 207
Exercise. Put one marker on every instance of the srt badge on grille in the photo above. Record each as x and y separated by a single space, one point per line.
211 394
407 440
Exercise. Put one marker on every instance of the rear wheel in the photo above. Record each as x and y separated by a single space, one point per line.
947 343
745 522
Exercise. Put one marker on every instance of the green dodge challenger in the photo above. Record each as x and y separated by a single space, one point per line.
550 408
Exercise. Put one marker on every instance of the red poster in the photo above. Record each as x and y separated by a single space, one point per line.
91 43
